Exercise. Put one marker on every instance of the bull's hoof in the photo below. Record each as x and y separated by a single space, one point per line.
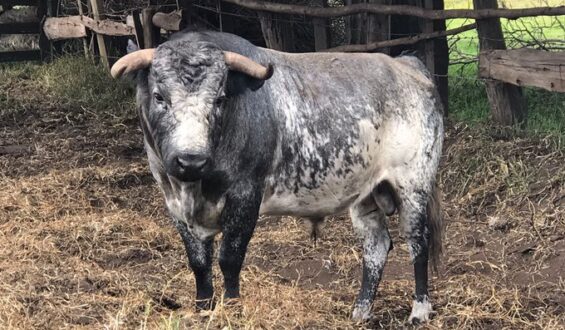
421 311
205 304
361 313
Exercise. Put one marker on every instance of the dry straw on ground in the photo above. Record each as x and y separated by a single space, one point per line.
85 241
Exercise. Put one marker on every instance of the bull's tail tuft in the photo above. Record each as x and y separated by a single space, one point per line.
435 226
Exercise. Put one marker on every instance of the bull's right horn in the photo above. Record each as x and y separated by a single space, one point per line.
137 60
238 62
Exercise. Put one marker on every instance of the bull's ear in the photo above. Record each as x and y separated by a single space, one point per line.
132 46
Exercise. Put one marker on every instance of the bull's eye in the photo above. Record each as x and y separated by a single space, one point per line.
158 97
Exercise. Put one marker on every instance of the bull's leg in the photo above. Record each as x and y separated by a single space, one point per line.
414 221
239 218
370 224
200 261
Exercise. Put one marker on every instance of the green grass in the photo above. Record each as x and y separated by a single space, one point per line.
68 82
468 103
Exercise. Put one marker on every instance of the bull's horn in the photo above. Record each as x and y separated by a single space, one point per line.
246 65
139 59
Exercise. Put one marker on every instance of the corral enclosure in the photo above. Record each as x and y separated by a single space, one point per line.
86 241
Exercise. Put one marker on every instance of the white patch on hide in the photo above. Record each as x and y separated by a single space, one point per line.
420 311
191 113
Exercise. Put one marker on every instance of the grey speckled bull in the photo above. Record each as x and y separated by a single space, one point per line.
314 135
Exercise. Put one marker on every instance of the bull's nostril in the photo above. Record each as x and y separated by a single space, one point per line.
191 162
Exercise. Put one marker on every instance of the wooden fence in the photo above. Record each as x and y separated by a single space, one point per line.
504 70
45 8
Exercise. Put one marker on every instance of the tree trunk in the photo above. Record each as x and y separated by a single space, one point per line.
508 106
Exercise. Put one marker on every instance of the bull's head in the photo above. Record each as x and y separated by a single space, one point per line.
186 89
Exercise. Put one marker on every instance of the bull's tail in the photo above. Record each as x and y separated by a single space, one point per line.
435 226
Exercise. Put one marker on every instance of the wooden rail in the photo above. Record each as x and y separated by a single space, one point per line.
20 28
525 67
11 3
396 10
20 55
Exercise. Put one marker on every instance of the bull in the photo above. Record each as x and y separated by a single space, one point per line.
234 131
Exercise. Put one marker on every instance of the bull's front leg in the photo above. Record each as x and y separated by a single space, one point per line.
239 218
200 261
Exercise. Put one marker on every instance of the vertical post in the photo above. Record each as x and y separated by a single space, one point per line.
320 29
507 103
98 14
136 14
44 43
436 52
150 32
84 43
378 26
186 7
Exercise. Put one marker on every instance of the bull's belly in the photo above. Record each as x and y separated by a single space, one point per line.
330 197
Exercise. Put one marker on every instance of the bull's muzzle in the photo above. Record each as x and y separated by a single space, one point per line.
188 167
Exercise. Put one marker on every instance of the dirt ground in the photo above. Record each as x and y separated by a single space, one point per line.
85 241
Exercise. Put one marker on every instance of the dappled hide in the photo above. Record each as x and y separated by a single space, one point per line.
233 131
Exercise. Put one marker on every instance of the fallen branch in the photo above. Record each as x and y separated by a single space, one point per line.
396 10
400 41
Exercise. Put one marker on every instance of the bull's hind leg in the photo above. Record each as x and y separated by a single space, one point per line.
370 224
414 221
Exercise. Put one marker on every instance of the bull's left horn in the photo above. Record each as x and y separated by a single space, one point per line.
246 65
139 59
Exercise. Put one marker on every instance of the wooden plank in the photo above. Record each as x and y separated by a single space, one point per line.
107 27
18 3
20 28
525 67
98 14
59 28
507 103
20 55
168 21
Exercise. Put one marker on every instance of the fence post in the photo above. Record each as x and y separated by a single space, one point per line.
378 26
436 52
320 29
186 12
507 103
98 14
44 9
150 32
84 42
